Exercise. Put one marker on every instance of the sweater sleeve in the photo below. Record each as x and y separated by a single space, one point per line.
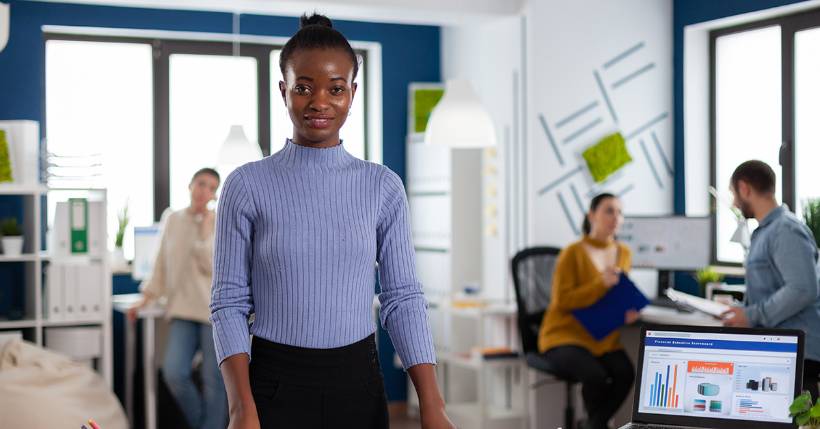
403 307
569 291
231 298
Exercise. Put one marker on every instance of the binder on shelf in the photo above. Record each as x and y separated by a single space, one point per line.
61 232
55 298
89 291
70 292
78 224
96 228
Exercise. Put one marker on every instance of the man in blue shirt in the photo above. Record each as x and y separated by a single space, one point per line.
781 268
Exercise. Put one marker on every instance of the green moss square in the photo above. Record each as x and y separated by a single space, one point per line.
607 156
424 100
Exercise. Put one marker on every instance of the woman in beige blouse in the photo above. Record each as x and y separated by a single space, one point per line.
182 278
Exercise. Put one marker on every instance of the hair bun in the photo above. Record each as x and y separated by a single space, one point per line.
315 19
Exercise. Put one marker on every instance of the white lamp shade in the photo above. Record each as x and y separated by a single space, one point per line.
459 120
237 149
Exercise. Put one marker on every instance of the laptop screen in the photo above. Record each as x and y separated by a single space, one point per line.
736 376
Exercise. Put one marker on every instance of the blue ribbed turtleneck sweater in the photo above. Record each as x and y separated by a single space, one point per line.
298 237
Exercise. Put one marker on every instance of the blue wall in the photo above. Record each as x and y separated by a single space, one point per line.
410 53
687 12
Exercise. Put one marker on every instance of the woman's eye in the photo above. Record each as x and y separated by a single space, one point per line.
337 90
301 89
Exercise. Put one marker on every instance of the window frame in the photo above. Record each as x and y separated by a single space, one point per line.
789 25
162 49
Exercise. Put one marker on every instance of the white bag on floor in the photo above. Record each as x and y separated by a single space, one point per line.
43 389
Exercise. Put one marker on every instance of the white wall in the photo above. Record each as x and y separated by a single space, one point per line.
488 54
573 53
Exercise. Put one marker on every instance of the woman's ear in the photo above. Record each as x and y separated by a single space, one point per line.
282 90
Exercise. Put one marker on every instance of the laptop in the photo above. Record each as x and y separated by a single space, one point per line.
716 377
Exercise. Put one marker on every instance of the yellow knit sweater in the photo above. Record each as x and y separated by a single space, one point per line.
577 283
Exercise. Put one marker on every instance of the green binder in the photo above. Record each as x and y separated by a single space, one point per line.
78 224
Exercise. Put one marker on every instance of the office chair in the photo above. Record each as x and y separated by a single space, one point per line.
532 270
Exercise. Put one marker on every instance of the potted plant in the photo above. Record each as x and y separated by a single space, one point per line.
805 415
12 237
118 257
708 276
811 215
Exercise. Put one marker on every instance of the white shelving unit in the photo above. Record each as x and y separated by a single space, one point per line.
34 322
455 220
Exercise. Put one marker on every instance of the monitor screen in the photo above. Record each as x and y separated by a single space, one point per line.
716 375
668 243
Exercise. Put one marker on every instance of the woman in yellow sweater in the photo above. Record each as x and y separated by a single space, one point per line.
585 271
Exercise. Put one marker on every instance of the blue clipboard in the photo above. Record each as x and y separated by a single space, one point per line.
606 315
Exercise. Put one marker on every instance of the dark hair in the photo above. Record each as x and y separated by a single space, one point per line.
757 174
593 205
206 170
316 32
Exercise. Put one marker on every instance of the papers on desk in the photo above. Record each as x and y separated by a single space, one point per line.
703 305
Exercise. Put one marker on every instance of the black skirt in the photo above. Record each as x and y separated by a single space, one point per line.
296 387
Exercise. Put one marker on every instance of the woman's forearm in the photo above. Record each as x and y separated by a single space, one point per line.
237 384
424 379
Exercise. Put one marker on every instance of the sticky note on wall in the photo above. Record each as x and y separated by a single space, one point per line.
607 156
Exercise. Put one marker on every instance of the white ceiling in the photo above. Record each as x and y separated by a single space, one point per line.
431 12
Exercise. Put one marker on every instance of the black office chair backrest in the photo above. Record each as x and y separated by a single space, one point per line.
532 270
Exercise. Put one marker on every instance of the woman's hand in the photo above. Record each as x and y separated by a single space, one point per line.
434 417
133 311
631 316
611 276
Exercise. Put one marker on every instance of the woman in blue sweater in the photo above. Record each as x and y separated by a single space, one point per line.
298 237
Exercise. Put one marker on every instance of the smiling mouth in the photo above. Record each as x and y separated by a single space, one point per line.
319 122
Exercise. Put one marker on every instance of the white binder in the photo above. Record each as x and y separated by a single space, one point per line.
89 291
55 299
70 298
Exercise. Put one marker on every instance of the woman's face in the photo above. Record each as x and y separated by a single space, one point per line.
318 91
607 218
203 189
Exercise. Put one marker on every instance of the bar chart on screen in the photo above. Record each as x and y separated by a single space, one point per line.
665 384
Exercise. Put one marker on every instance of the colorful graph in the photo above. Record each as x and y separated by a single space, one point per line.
661 394
749 406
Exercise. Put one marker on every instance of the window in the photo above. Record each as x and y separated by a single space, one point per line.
765 82
207 94
99 129
140 115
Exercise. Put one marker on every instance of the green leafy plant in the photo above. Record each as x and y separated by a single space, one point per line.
10 228
804 413
708 275
122 223
811 215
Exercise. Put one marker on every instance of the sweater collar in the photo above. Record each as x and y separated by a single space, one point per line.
597 243
304 156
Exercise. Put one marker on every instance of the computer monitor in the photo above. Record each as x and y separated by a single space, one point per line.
734 377
668 242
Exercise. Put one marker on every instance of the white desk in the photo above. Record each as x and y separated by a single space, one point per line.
148 315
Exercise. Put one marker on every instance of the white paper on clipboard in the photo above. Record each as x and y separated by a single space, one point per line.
703 305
